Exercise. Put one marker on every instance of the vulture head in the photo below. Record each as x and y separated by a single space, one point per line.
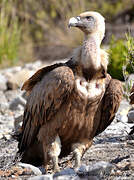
90 23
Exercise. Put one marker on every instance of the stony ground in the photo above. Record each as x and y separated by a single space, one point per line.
114 146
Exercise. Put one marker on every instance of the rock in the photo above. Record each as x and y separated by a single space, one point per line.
90 178
14 172
125 166
7 120
124 107
12 94
42 169
3 102
4 107
34 169
2 97
11 84
33 66
11 70
67 177
17 101
118 128
7 136
121 118
18 123
1 135
3 83
131 116
65 172
42 177
100 169
131 165
122 115
16 80
6 126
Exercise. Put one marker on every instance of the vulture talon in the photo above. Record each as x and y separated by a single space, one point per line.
55 164
77 156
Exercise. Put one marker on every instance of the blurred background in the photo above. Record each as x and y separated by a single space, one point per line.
32 30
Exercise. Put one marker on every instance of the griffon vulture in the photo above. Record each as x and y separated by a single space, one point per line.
132 102
70 103
132 95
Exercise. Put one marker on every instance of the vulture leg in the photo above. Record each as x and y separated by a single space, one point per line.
45 153
79 149
54 152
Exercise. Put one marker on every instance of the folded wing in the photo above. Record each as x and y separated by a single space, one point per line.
44 100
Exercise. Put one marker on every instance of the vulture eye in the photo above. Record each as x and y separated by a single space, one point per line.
89 18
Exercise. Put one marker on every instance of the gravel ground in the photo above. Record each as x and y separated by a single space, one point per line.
115 148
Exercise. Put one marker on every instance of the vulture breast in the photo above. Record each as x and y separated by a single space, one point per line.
83 103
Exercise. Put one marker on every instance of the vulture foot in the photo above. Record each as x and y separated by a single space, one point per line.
56 167
77 156
52 152
79 149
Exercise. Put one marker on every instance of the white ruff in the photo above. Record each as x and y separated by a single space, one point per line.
88 90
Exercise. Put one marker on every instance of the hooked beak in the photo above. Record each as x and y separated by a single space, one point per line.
74 22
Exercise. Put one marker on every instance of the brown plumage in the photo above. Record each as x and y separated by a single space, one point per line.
132 102
70 103
132 95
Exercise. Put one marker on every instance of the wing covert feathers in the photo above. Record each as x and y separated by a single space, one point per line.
44 101
30 83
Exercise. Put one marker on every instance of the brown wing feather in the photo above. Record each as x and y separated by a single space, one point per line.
132 102
30 83
132 95
109 104
44 101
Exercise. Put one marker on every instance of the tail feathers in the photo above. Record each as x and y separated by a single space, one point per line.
33 155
